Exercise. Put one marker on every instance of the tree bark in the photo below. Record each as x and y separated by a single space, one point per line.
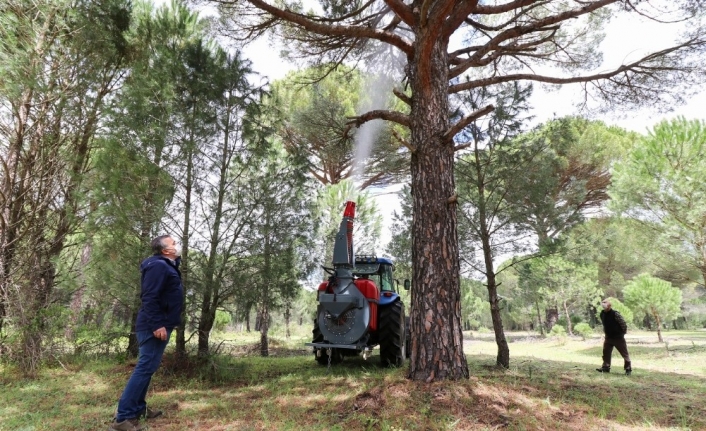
437 340
659 325
132 346
539 317
552 316
503 357
647 322
568 319
148 230
264 329
77 297
185 274
208 316
14 194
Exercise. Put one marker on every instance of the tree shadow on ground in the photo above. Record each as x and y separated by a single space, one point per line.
646 397
294 392
646 353
535 394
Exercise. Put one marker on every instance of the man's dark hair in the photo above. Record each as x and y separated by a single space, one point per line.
158 244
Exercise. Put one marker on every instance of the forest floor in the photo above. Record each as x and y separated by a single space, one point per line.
551 385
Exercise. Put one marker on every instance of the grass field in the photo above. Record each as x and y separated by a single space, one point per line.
551 385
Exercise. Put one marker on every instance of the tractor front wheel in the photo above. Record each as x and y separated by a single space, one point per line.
391 326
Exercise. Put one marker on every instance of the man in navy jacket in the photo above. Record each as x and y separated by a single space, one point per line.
162 299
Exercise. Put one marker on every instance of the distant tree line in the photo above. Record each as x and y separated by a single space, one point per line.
554 218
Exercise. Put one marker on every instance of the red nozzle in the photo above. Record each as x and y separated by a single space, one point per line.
350 209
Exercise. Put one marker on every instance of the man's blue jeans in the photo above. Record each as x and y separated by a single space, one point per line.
132 402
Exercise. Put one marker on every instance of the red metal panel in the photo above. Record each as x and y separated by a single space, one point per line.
370 291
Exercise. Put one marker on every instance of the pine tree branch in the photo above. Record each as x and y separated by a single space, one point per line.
639 67
465 121
404 142
379 114
403 97
403 11
347 31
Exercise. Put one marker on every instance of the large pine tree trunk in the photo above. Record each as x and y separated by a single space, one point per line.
437 340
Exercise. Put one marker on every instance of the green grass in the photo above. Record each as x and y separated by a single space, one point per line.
551 385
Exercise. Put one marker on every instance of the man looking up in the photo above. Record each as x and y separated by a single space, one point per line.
162 299
615 328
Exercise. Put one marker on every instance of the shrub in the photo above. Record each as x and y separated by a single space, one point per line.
583 329
222 320
557 331
575 319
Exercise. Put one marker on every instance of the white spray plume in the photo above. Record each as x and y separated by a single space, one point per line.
375 95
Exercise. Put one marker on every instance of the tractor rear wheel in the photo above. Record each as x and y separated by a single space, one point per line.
391 326
318 337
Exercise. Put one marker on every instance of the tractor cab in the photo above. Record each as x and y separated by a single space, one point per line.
378 270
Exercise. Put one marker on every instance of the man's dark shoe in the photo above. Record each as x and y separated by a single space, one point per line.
126 425
603 370
148 413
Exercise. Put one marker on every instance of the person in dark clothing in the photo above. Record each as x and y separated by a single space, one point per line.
162 300
615 328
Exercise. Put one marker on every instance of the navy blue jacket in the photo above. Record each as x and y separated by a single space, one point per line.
162 294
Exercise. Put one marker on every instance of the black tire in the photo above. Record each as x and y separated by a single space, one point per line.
318 337
407 338
391 326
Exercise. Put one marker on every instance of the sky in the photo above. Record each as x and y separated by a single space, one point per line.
627 38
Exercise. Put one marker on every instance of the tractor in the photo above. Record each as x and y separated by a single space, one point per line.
359 307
